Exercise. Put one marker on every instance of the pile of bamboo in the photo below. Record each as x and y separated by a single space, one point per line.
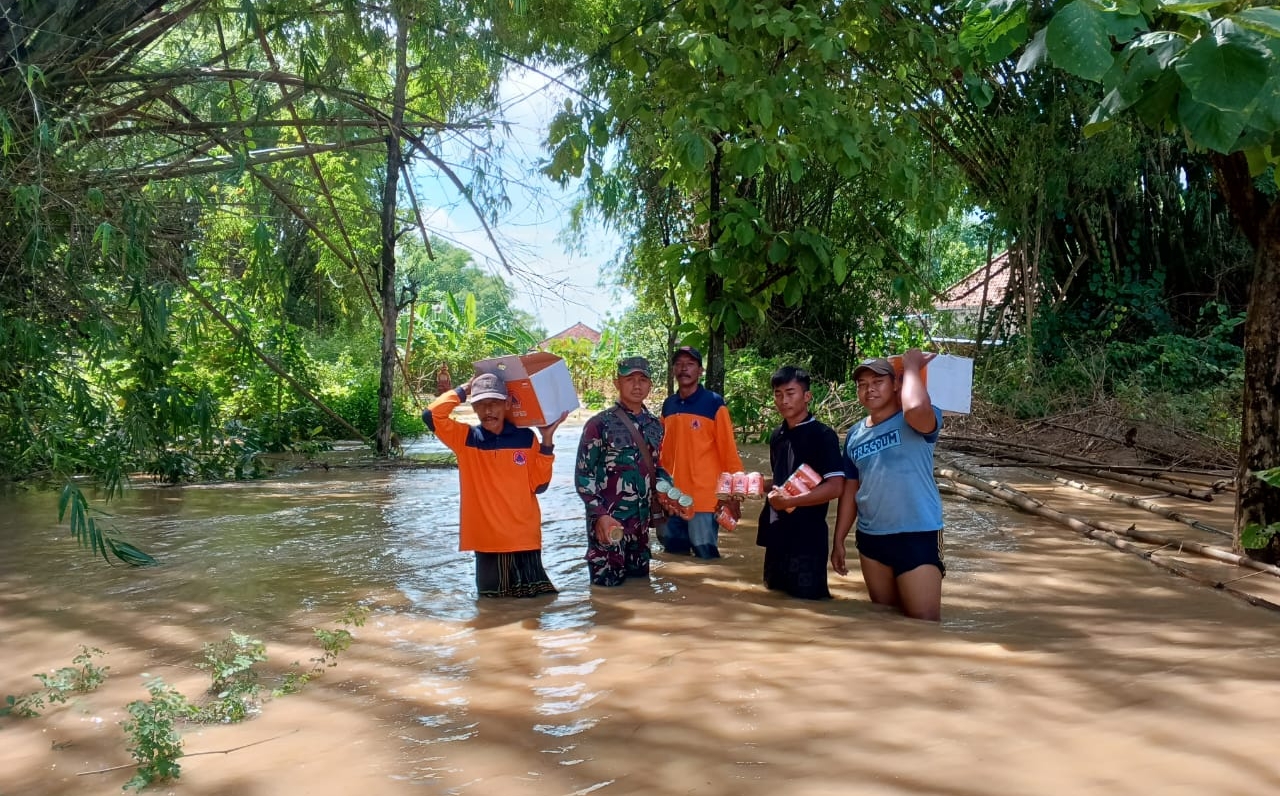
961 476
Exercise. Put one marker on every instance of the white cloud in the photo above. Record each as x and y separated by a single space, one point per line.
558 286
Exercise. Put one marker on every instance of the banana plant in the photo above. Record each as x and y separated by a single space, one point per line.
450 335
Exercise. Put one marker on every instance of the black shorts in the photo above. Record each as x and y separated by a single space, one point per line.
902 552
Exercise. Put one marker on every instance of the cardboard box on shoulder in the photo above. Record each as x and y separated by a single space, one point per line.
949 380
539 384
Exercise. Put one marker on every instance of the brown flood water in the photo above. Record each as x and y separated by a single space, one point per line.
1061 666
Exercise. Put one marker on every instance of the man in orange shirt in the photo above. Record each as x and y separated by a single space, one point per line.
502 470
698 445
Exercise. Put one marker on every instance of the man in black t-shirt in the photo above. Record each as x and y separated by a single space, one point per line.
793 528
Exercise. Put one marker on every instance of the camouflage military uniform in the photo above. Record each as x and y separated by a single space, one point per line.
612 478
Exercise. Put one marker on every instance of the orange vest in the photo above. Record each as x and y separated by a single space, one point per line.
698 444
500 475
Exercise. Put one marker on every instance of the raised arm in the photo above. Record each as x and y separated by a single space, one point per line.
917 408
437 417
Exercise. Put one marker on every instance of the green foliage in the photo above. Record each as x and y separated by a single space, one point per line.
1149 382
1207 68
154 740
338 639
85 528
1255 536
230 663
357 403
758 156
165 235
748 394
81 677
450 335
332 642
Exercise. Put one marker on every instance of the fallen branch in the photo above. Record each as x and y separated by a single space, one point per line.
191 754
1106 438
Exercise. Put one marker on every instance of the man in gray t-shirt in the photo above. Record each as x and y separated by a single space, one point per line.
889 491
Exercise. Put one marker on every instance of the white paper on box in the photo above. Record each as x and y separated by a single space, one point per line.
949 380
950 383
540 386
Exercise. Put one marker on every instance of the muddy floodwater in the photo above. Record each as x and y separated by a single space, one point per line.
1061 666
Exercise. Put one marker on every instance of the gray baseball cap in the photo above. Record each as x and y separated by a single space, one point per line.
878 365
487 385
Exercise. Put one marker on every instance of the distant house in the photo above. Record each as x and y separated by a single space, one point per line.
956 313
579 331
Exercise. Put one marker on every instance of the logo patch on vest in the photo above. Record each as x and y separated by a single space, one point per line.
519 458
696 424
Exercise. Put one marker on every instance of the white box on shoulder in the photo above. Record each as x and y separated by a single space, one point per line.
949 380
539 385
950 383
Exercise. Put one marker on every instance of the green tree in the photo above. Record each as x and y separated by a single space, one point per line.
1212 71
742 129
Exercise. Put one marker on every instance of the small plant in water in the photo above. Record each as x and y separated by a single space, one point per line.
338 640
154 740
332 642
231 663
81 677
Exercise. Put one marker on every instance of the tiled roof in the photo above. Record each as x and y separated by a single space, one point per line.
968 291
578 331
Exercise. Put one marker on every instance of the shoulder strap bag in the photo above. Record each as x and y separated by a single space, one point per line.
656 513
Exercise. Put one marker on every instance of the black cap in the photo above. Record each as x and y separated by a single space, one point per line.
689 351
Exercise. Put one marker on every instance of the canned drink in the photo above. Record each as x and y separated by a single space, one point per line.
686 507
795 486
664 487
739 484
725 519
724 486
809 475
615 534
755 485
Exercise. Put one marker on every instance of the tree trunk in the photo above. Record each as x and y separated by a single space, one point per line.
1256 501
715 284
387 271
715 341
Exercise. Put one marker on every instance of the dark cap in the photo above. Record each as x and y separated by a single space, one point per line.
689 351
486 386
629 365
878 365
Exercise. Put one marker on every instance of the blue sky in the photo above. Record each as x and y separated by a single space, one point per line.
559 285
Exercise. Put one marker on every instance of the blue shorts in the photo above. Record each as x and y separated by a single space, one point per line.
902 552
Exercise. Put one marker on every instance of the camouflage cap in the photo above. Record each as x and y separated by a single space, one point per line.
629 365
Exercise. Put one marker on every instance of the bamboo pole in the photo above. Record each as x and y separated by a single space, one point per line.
1136 502
1092 468
1113 536
948 487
